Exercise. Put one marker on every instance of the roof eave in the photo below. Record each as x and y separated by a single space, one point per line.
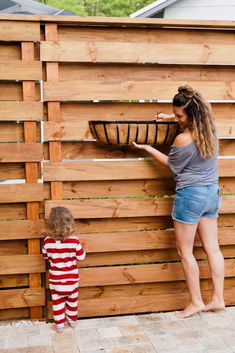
152 9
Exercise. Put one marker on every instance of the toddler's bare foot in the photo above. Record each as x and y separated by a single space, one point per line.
57 329
72 324
214 306
190 310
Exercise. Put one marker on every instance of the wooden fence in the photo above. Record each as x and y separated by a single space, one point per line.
57 73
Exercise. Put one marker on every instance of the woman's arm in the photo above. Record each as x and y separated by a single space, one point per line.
159 156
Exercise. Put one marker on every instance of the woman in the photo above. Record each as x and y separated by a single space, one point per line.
193 160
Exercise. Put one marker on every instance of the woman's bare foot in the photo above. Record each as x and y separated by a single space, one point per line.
190 310
214 306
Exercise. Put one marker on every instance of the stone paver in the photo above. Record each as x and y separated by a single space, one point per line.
148 333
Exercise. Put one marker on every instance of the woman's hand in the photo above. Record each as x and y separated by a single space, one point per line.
142 147
159 156
161 117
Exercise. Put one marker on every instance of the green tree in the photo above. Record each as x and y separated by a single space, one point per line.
99 7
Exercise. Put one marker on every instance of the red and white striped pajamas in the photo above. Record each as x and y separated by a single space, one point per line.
63 277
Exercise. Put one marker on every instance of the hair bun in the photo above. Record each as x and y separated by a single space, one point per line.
186 91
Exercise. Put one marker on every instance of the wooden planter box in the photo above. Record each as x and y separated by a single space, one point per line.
142 132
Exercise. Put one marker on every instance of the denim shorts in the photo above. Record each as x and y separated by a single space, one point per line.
193 202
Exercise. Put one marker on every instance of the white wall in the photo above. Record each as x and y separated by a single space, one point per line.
202 9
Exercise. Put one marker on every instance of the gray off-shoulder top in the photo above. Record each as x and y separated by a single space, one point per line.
190 168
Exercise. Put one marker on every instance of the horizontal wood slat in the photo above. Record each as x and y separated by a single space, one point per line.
141 53
142 303
22 298
12 211
130 207
72 150
71 130
134 298
24 111
129 290
76 150
149 72
22 313
118 170
21 229
21 193
9 171
11 132
99 225
114 208
21 264
21 152
132 90
108 170
14 133
118 21
19 31
147 240
146 256
10 51
86 189
144 273
66 131
145 34
73 111
11 281
20 70
15 247
127 188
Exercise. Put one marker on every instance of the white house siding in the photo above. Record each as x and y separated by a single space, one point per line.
202 9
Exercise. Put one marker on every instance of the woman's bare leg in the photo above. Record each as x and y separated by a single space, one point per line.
208 233
185 234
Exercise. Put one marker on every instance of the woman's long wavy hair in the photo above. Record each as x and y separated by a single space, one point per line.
60 224
200 121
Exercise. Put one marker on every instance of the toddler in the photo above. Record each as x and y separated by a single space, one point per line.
62 248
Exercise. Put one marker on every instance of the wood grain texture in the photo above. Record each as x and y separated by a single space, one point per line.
31 173
146 240
144 273
122 217
85 111
142 303
118 170
13 111
24 152
21 264
118 21
20 70
21 229
141 53
22 298
19 31
79 130
143 34
21 193
129 207
132 90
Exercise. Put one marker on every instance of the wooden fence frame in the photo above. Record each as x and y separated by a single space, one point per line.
63 72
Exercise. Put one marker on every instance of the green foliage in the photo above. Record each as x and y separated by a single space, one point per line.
99 7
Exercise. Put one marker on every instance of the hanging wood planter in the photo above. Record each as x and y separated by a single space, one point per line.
142 132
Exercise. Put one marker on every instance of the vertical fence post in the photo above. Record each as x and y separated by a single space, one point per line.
53 110
31 171
53 114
